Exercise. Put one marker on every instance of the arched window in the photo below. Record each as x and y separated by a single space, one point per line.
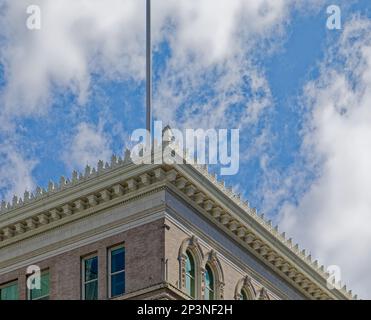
190 259
190 282
209 283
244 295
263 295
245 290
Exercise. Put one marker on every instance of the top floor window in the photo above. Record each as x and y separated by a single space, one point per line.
90 278
209 283
244 295
9 291
116 271
43 292
190 275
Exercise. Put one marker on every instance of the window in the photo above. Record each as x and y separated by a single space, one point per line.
116 273
9 291
244 295
190 275
90 278
43 292
209 283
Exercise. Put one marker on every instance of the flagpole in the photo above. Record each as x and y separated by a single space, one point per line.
148 68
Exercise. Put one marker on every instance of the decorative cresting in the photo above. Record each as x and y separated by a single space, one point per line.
65 183
245 285
263 294
213 262
120 181
191 245
77 204
267 250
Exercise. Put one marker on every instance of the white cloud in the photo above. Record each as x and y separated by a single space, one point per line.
333 218
211 78
87 146
214 76
77 38
209 29
15 172
81 38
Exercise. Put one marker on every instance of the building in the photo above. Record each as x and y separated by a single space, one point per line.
126 231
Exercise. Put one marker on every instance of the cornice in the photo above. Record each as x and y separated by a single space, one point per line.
244 223
122 181
228 257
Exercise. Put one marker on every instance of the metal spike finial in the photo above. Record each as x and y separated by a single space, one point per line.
100 165
62 181
26 196
87 171
50 186
75 176
15 200
113 161
127 157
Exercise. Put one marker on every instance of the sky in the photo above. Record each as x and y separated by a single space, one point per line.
72 92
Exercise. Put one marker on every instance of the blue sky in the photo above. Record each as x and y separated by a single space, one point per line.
72 93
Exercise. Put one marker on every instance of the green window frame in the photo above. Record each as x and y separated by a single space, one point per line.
90 271
44 291
190 275
209 284
244 295
116 271
9 291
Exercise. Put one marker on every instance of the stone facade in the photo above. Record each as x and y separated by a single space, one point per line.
158 213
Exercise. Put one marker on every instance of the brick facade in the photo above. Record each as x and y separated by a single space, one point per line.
152 262
144 251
